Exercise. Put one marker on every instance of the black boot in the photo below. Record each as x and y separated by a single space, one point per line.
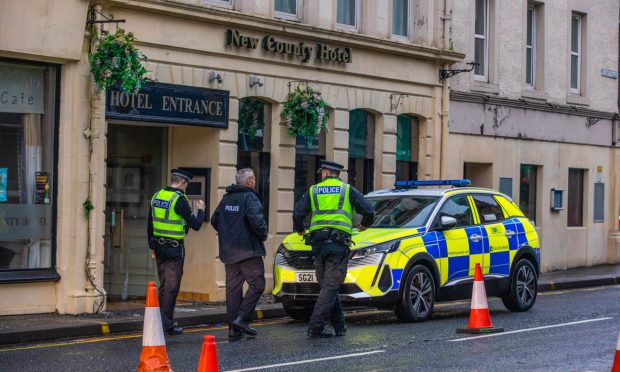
234 334
243 325
319 333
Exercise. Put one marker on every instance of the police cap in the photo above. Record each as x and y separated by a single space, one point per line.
187 176
330 165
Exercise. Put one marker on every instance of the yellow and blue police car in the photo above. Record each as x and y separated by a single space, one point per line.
423 248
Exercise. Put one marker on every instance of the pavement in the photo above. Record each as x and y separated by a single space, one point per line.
15 329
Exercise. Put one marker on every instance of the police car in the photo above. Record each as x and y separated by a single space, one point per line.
422 248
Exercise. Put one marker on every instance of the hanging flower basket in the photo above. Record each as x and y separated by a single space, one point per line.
305 113
251 117
117 61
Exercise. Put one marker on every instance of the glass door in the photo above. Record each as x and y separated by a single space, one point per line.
136 169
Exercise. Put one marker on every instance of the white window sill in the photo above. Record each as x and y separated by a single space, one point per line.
577 99
484 87
534 94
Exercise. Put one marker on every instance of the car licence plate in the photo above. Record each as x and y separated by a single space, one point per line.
305 277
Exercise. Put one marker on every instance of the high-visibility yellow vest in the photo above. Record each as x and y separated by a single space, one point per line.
331 206
166 222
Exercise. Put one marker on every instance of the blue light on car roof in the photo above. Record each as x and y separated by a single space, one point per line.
414 184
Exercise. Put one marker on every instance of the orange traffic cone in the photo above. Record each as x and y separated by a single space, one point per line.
208 356
616 366
479 317
153 357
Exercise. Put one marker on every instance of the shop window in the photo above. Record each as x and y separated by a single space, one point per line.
527 190
575 196
407 144
27 171
307 159
361 150
253 144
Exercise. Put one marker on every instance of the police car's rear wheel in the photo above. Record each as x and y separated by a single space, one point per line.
523 287
418 297
301 312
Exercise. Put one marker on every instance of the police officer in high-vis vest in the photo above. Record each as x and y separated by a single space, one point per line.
170 218
333 205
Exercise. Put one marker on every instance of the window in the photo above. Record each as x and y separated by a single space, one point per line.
575 54
27 171
400 17
575 196
253 144
481 40
361 151
287 9
457 207
530 47
222 3
488 209
403 212
406 149
527 190
346 13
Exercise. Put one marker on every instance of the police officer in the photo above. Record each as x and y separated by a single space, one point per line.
170 217
333 204
241 226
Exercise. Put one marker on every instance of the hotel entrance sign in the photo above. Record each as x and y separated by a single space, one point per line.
170 103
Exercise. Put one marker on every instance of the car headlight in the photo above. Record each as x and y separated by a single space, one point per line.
386 247
283 251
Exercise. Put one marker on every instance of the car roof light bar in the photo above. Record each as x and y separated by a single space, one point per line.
415 184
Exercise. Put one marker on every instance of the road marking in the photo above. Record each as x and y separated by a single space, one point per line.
530 329
126 337
308 361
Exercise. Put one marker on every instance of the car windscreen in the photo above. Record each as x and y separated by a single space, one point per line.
402 211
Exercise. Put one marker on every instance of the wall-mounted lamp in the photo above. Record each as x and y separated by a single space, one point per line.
557 196
215 76
255 80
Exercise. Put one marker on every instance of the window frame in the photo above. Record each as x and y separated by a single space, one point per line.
229 4
485 37
578 53
346 27
532 46
288 16
409 24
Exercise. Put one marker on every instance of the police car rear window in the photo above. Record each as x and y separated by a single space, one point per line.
402 211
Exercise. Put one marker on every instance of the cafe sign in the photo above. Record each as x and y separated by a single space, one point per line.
304 51
169 103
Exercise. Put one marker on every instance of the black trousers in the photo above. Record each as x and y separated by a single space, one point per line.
170 271
330 261
251 271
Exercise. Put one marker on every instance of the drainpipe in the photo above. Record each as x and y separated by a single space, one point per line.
445 89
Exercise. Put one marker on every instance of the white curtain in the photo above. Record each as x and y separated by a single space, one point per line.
32 164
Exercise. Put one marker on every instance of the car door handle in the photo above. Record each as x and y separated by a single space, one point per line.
510 233
475 237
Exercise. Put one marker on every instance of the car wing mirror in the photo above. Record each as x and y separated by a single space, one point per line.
448 222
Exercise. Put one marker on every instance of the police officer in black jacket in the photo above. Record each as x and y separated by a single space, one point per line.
241 226
168 247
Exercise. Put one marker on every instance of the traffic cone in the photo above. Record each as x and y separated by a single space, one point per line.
479 317
616 366
208 356
153 357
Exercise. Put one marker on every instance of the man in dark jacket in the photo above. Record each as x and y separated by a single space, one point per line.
242 229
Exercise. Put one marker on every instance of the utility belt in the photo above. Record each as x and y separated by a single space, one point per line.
328 235
169 242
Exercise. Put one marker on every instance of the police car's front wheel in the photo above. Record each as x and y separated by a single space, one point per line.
523 287
418 296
